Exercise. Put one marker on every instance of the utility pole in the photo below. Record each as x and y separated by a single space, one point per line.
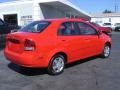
116 6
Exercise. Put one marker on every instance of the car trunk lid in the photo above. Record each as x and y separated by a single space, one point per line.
16 41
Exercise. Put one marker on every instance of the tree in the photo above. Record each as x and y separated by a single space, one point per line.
107 11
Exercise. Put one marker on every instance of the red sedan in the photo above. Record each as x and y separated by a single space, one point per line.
53 43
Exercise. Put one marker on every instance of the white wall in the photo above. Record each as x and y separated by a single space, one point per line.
22 10
102 20
30 10
51 12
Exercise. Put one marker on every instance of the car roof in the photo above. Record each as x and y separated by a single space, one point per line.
65 19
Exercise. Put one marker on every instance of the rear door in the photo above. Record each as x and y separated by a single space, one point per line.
71 41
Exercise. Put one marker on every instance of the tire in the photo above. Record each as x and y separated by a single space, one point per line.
106 51
56 65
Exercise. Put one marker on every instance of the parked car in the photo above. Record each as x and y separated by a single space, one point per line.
106 30
6 28
53 43
117 24
110 25
107 24
117 27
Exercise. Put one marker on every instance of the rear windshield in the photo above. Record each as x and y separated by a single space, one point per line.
37 26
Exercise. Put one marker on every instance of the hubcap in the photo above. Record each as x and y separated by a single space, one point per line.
107 51
58 64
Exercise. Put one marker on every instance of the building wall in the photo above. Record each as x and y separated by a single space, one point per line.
102 20
51 12
31 10
24 12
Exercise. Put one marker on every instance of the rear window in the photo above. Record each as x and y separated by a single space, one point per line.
117 24
37 26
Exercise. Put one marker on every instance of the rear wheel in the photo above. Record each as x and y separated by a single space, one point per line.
106 51
57 64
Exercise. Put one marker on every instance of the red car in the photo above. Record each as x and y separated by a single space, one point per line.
106 30
53 43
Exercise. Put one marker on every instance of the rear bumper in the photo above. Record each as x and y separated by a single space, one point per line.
26 59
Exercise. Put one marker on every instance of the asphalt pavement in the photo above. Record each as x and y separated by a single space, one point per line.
91 74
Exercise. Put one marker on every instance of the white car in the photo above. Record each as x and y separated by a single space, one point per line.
107 25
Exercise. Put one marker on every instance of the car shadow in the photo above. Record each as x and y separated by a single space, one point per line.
27 71
42 71
81 61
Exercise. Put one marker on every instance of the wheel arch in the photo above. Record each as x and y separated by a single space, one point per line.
108 43
56 52
64 55
50 66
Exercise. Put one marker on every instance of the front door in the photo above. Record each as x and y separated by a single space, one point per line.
91 39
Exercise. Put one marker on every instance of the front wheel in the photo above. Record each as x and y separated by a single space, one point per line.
57 64
106 51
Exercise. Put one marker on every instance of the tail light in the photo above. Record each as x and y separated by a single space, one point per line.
29 45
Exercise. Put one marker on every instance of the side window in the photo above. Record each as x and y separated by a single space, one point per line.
86 29
68 28
1 23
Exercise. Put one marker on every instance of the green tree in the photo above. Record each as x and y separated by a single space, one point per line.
107 11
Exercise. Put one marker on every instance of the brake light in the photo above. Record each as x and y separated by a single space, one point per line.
29 45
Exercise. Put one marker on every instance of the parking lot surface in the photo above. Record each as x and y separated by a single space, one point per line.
92 74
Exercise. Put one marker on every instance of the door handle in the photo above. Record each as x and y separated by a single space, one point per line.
86 39
63 40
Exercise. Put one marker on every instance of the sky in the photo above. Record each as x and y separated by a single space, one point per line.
92 6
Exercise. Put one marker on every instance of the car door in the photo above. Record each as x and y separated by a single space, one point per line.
71 41
91 39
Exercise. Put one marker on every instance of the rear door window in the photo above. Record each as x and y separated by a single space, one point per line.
68 29
37 26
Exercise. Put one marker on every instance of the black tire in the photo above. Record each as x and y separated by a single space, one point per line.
56 65
106 51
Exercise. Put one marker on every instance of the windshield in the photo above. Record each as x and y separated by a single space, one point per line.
107 23
37 26
117 24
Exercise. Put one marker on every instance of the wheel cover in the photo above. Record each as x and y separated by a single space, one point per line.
106 51
58 64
